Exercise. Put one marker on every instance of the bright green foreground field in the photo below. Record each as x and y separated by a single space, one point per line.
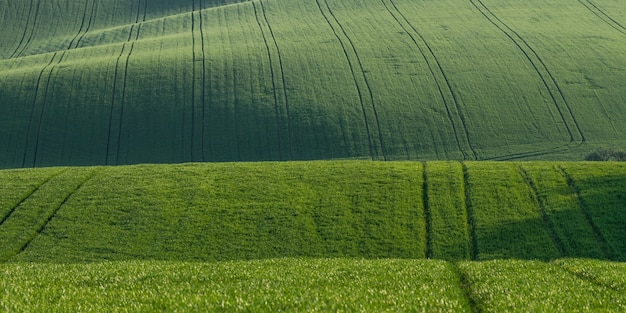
117 82
315 236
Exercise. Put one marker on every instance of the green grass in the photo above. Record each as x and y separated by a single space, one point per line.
119 82
314 236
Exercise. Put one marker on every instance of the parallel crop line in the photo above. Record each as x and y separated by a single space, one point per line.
438 75
282 75
427 214
29 195
465 287
529 53
602 242
558 243
32 111
585 277
269 57
19 45
471 223
203 81
597 11
89 24
358 87
56 210
82 25
193 77
32 32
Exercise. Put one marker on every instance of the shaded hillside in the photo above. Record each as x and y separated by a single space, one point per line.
117 82
241 211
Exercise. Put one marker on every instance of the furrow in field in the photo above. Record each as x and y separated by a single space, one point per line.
471 223
94 8
203 88
114 95
601 14
32 32
600 239
557 96
558 243
34 108
282 78
32 215
354 76
272 74
428 220
80 30
193 80
11 210
464 285
444 87
19 45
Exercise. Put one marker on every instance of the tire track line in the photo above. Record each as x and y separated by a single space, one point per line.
82 25
358 87
556 240
33 108
202 127
469 216
441 80
556 94
365 79
32 32
272 74
94 8
193 77
137 24
29 195
19 45
597 11
600 239
56 210
283 80
427 214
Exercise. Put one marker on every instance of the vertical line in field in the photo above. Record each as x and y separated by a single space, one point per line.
464 284
32 32
82 24
202 126
33 108
89 24
365 79
358 87
193 76
19 45
274 90
439 76
283 80
602 242
556 94
469 215
556 240
427 214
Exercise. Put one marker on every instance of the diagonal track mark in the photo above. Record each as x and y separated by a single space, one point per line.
597 11
444 86
32 32
19 45
469 216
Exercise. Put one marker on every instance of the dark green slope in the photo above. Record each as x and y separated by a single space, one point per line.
118 82
240 211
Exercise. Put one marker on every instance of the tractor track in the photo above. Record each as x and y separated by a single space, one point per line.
438 75
272 74
19 45
551 85
597 11
32 32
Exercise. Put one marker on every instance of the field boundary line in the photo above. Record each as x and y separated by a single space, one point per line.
19 45
269 57
34 106
604 245
356 84
538 65
556 240
599 12
438 80
48 179
283 80
54 212
427 214
472 240
32 32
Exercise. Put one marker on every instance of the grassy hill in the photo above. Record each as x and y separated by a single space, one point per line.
117 82
317 235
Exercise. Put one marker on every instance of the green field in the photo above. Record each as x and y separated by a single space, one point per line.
315 236
118 82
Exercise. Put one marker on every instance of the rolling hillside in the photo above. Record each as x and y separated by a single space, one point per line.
315 236
106 82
